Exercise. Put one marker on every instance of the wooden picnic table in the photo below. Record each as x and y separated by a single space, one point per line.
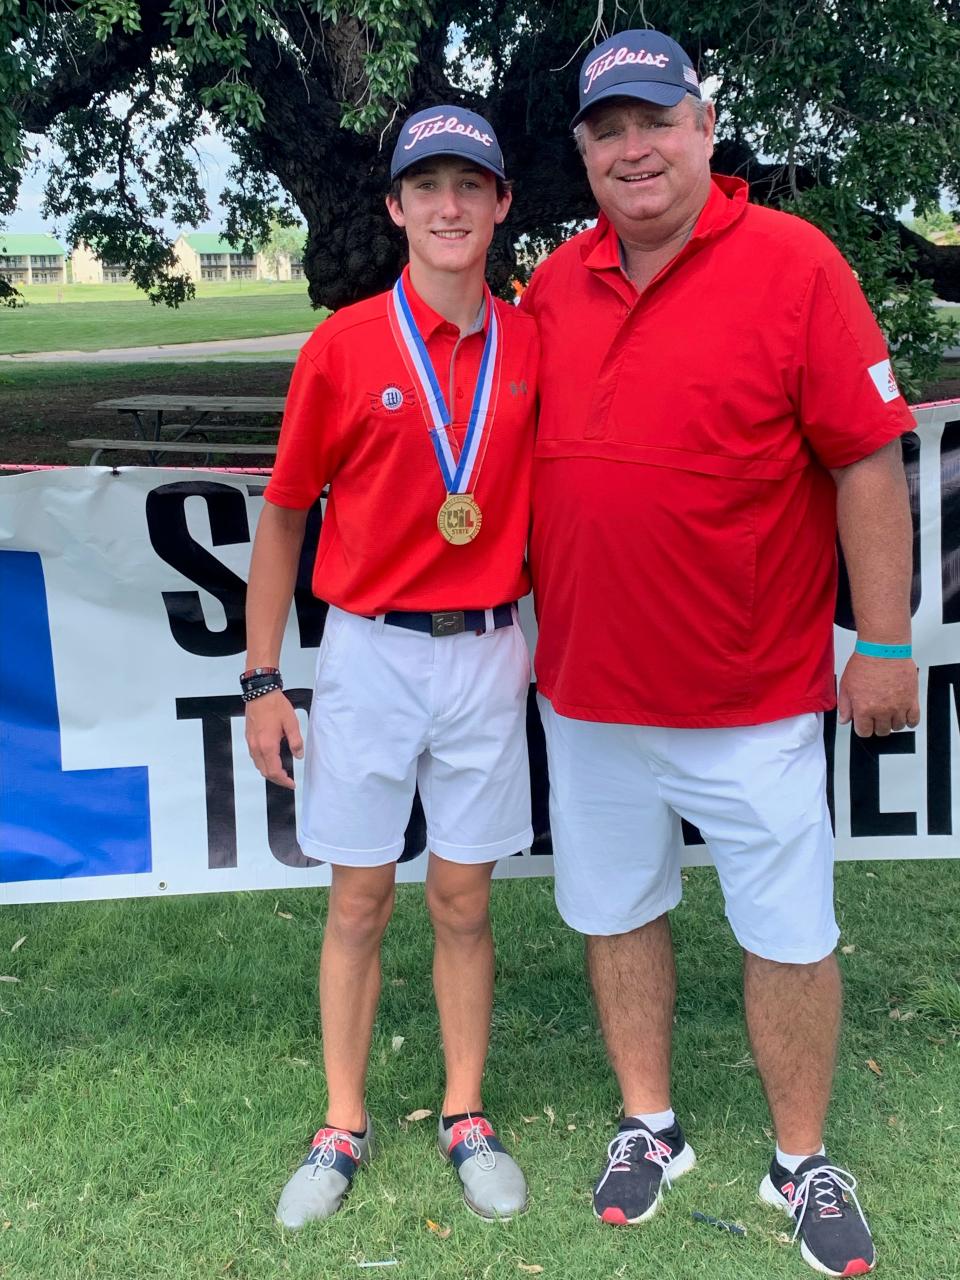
186 419
199 407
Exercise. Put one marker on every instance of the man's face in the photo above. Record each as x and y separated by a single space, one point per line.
448 208
648 166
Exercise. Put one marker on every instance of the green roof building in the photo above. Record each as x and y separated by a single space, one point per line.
32 259
204 255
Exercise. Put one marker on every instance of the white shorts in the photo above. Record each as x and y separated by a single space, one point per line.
758 795
393 709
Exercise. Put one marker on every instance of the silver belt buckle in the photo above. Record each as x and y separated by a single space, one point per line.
446 624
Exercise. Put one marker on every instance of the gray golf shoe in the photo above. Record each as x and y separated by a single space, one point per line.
493 1184
317 1188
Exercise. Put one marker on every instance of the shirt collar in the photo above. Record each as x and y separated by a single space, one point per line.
725 204
429 321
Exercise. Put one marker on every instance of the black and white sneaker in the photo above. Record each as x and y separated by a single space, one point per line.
639 1164
822 1200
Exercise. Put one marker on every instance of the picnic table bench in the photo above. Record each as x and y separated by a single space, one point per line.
151 425
153 448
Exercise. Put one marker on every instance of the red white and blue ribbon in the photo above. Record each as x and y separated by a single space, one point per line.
459 474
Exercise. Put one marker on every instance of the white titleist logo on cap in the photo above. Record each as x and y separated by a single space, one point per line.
884 381
445 124
619 58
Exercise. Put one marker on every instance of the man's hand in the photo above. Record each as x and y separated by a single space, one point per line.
270 719
879 695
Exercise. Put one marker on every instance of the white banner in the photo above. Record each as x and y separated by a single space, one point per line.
123 766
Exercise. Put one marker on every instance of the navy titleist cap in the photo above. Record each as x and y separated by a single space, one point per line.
447 131
636 64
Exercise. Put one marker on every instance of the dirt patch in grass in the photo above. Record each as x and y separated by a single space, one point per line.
44 406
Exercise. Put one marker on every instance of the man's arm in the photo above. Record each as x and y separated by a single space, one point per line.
273 576
873 516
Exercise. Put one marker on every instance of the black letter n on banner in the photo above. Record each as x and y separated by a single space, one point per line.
167 524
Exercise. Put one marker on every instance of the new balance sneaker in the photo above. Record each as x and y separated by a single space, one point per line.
639 1164
493 1184
822 1200
317 1188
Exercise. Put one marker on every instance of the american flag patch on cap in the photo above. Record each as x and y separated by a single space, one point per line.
691 77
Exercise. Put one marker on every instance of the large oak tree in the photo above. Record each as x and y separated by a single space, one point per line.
843 111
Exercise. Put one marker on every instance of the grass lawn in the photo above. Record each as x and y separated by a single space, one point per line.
65 294
160 1078
252 311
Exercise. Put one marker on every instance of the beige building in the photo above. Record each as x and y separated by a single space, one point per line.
204 256
89 269
32 259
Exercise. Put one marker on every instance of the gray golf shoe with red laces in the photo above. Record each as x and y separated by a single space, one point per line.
493 1184
317 1188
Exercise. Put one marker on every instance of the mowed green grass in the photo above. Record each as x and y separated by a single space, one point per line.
160 1078
97 321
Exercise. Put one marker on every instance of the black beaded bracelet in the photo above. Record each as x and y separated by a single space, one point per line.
249 695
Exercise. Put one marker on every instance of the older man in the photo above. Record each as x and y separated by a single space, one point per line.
716 399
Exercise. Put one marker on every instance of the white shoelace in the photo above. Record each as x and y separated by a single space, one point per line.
475 1140
326 1151
621 1148
825 1180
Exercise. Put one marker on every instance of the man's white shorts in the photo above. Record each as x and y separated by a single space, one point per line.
393 709
757 793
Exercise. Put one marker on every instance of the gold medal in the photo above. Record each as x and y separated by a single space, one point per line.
459 519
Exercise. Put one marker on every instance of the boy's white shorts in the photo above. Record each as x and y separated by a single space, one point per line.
757 793
395 709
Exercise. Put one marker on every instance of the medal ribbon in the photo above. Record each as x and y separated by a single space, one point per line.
457 475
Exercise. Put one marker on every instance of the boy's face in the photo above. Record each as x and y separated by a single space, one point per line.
448 208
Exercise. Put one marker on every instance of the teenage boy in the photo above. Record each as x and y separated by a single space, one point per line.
417 408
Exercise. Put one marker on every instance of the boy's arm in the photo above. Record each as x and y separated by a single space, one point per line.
273 576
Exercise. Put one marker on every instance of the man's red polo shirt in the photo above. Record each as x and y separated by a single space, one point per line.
353 420
684 517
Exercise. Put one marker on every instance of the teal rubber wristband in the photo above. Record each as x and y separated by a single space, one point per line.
871 650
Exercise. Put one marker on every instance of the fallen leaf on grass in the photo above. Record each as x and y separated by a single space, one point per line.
398 982
533 1269
396 1043
893 1121
8 978
529 1119
442 1232
848 950
19 943
549 1112
571 1128
296 1062
421 1113
284 915
874 1067
5 1226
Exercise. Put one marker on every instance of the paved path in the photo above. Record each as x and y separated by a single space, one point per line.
278 347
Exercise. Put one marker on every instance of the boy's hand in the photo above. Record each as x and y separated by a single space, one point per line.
269 720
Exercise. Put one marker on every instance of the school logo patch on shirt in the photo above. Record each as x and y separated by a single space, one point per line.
884 381
391 398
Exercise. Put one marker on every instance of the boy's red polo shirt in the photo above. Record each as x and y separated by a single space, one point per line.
684 516
353 420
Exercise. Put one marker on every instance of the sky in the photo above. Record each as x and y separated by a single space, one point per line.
216 157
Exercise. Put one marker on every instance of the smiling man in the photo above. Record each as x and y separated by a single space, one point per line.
715 399
423 672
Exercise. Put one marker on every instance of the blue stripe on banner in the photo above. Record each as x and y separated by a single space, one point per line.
54 824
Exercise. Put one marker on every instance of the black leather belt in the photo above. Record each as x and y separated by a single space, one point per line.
451 623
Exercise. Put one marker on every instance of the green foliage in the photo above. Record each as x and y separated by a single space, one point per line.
855 102
284 238
939 225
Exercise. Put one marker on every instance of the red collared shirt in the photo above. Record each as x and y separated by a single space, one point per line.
684 517
354 420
